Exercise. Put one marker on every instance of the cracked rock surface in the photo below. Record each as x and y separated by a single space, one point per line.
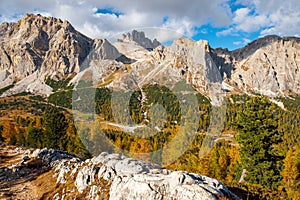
106 176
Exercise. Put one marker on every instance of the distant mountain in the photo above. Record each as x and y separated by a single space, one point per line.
38 48
140 39
268 66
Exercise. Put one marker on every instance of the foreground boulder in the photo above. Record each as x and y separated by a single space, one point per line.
115 176
55 174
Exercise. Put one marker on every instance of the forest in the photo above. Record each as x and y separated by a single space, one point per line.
257 154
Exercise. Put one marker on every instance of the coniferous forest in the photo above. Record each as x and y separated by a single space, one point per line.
257 154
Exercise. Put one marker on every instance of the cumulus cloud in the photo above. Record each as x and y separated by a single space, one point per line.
182 16
267 17
168 19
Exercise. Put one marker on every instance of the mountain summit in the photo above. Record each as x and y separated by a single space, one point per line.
36 48
268 66
140 39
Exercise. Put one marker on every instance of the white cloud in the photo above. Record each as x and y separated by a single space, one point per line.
183 16
245 21
245 41
268 17
183 26
229 31
237 43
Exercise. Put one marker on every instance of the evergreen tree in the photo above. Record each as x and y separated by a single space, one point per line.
56 125
258 136
73 144
35 136
21 139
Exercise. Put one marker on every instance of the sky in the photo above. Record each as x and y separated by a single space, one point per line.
228 24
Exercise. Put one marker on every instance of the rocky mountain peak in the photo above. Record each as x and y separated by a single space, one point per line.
183 42
139 38
47 47
267 66
261 43
35 24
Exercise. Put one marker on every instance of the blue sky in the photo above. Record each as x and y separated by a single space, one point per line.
224 23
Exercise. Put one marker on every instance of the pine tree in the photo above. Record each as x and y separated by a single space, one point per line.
56 125
258 135
35 136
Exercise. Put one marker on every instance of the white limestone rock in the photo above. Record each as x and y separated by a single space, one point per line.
85 177
131 179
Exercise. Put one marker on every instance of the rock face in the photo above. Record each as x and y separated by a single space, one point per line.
47 46
183 60
40 43
140 39
113 176
171 185
106 176
269 66
36 48
32 83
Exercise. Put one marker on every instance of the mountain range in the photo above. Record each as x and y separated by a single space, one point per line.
48 68
38 48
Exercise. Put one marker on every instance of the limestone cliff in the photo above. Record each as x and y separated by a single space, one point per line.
48 47
269 66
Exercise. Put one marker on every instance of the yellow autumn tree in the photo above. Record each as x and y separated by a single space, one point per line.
8 131
234 160
291 173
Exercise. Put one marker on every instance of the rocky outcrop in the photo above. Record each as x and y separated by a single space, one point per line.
113 176
97 71
133 179
138 37
268 66
132 50
183 60
41 43
32 84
